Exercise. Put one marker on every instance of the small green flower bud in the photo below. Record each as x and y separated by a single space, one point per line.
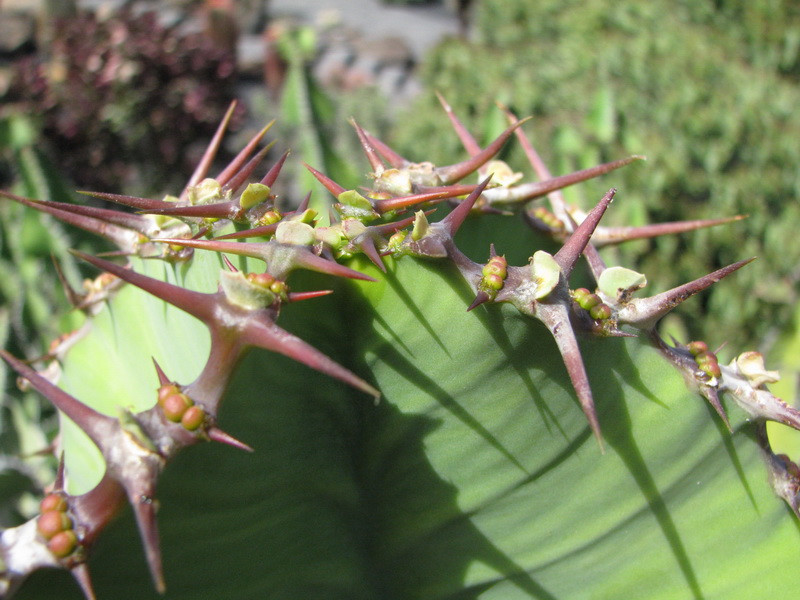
497 265
697 348
397 238
711 368
264 280
52 522
494 282
579 294
193 418
175 406
704 357
167 390
53 502
589 301
600 312
279 288
270 217
63 543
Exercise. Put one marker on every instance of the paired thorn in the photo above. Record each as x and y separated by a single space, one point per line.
453 221
644 313
294 256
215 434
528 191
210 153
194 303
375 162
467 140
480 298
456 172
272 175
120 236
575 245
229 173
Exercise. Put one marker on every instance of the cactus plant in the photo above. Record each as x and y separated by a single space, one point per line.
490 418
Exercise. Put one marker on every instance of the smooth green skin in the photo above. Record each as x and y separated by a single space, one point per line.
475 476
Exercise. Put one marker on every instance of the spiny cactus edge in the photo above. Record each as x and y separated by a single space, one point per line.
239 305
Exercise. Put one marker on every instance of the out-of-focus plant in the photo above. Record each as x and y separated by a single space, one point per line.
119 99
708 96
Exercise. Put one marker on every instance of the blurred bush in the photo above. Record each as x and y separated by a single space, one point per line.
707 90
120 99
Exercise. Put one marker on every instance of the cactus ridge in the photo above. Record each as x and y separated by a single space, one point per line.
244 310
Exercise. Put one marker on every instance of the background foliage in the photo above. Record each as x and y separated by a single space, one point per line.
707 90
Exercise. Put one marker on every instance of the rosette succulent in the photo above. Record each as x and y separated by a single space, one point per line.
424 397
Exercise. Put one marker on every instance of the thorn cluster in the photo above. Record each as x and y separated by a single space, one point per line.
394 218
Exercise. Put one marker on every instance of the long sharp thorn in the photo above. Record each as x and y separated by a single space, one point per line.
302 258
713 399
572 249
261 231
375 161
388 228
218 210
470 144
96 425
215 434
194 303
303 206
227 174
456 217
616 235
58 484
144 509
131 201
392 157
480 298
80 573
312 262
329 184
162 377
596 264
570 353
229 264
239 179
458 171
457 189
120 236
269 336
300 296
405 201
202 168
646 312
367 246
74 298
557 202
115 217
528 191
272 175
253 250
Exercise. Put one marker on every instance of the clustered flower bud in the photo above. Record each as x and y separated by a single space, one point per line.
705 359
270 218
548 218
494 276
592 303
56 526
268 282
179 408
